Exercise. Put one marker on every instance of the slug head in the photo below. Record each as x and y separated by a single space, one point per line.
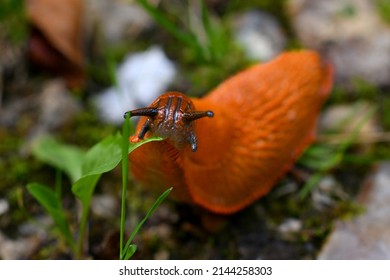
171 117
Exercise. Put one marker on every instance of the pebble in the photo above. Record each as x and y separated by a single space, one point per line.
116 21
260 35
290 227
366 236
141 78
18 249
56 106
161 255
351 34
327 193
105 206
32 235
343 120
37 227
4 206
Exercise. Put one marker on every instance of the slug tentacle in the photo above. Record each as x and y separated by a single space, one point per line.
189 117
147 112
144 129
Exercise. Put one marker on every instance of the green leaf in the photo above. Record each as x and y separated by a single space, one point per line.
147 216
102 157
107 154
64 157
133 146
130 252
51 202
84 187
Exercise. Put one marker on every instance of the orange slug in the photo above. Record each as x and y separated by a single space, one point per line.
263 119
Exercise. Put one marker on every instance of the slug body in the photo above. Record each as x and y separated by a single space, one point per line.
264 118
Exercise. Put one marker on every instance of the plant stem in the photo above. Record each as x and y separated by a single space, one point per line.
82 231
157 203
125 173
91 182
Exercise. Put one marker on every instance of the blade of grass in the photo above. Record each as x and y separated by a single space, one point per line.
211 36
128 245
188 38
125 176
161 19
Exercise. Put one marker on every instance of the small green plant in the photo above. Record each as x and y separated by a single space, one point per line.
207 41
324 157
127 251
202 43
84 169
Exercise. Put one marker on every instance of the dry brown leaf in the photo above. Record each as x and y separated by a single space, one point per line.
56 37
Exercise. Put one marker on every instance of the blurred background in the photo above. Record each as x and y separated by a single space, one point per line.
70 69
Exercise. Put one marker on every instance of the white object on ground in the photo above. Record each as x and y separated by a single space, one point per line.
141 78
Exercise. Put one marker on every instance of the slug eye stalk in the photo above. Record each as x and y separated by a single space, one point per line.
147 112
189 117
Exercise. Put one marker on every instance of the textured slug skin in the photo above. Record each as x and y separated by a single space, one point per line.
264 118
